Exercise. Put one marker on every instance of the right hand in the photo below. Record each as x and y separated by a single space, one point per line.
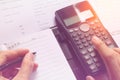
27 67
111 58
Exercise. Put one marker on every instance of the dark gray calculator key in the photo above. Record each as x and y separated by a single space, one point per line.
90 43
90 61
87 34
94 27
81 47
91 33
105 37
98 35
83 40
78 43
90 49
95 59
76 39
86 57
93 66
71 30
108 42
86 44
76 29
88 38
96 31
79 33
82 36
83 51
74 35
93 54
103 33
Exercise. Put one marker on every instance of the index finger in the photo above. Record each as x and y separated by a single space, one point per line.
104 51
11 54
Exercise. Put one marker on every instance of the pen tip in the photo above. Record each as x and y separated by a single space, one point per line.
34 53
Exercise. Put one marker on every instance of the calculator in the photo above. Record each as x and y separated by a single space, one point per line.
78 23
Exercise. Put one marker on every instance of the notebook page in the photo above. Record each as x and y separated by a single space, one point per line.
44 11
23 17
50 58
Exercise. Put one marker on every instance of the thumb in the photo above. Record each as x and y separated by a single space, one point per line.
89 78
26 68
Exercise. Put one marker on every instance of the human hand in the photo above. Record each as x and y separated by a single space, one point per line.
27 65
111 59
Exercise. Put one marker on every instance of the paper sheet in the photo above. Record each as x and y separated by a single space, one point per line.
23 17
50 58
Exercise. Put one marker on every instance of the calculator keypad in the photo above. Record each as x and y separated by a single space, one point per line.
82 37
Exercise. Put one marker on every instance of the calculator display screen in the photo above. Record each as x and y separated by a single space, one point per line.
80 17
72 20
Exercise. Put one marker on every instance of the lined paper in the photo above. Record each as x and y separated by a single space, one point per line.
50 58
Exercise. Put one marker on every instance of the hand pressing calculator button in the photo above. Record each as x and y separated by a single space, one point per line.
79 23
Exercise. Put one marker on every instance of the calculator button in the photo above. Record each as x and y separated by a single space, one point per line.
93 54
105 37
90 49
74 35
86 44
108 42
78 43
83 51
81 46
76 29
87 34
91 33
82 36
84 27
92 67
84 40
103 33
79 33
95 59
86 57
96 31
98 35
94 27
71 30
100 29
76 39
90 43
88 38
89 61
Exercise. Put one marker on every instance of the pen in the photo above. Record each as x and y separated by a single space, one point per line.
4 66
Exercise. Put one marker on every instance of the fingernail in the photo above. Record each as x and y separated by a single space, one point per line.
95 38
89 78
30 56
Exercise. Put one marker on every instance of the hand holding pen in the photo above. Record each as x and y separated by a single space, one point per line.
27 65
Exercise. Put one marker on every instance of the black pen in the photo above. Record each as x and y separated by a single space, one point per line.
4 66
